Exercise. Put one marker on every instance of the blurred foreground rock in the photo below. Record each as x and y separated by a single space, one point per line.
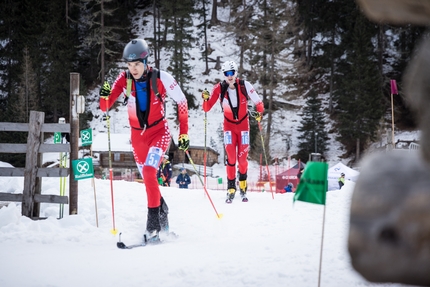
389 236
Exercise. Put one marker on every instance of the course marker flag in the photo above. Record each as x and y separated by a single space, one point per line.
313 183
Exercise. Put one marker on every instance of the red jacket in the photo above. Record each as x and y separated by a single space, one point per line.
155 112
232 99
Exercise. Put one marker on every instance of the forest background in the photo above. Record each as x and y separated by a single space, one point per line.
324 52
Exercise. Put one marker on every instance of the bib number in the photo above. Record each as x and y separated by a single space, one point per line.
154 156
245 137
227 137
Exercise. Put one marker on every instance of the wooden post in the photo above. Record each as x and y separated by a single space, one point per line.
74 142
30 171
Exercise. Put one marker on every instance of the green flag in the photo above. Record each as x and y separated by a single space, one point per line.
313 183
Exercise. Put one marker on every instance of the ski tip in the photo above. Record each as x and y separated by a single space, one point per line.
121 245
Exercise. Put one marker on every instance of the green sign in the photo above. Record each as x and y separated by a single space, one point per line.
83 168
219 180
86 137
57 138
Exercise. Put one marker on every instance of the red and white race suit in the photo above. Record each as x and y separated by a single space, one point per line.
236 123
150 135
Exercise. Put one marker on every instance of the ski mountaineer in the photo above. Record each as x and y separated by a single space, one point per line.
145 89
233 94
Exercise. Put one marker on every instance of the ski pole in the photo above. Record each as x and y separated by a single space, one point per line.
113 231
205 153
95 195
265 157
60 215
204 187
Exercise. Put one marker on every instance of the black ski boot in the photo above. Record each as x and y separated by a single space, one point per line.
152 233
243 187
231 190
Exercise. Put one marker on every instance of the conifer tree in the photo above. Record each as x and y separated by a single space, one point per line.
359 93
27 96
312 127
179 26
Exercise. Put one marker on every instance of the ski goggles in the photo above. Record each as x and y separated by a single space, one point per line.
229 73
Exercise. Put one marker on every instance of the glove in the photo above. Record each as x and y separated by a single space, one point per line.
105 91
258 117
205 95
183 142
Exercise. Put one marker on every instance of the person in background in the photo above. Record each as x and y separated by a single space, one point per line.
183 179
289 187
341 180
165 171
299 175
145 89
233 95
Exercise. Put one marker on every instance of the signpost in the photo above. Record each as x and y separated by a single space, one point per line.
83 168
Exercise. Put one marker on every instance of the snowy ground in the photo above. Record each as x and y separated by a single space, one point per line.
265 242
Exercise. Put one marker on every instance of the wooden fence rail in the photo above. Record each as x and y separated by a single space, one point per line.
33 172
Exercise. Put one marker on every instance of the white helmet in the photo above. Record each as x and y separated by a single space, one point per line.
229 66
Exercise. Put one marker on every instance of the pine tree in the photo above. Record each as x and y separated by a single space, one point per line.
100 40
179 20
27 97
202 11
312 127
359 94
269 46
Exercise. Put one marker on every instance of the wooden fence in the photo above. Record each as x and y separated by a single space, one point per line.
33 172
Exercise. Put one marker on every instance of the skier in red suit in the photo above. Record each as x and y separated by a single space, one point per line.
150 135
234 102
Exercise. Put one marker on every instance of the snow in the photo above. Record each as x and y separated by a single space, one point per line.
264 242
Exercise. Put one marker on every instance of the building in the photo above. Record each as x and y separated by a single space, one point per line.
122 159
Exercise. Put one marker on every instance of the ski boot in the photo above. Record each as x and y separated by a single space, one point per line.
231 190
243 187
230 195
153 227
151 237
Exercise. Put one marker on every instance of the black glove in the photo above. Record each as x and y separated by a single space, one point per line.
105 90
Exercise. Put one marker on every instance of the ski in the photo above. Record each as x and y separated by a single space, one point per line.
122 245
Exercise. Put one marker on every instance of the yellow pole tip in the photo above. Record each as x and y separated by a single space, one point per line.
114 231
220 216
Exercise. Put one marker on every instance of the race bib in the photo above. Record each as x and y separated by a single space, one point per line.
245 137
154 156
227 137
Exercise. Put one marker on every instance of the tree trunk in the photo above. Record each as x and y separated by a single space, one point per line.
214 17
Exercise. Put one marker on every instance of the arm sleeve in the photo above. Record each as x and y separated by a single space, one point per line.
175 92
215 94
118 88
255 98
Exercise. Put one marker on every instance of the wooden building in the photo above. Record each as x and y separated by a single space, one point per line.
122 157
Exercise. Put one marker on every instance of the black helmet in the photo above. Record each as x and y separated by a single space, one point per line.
342 174
136 50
